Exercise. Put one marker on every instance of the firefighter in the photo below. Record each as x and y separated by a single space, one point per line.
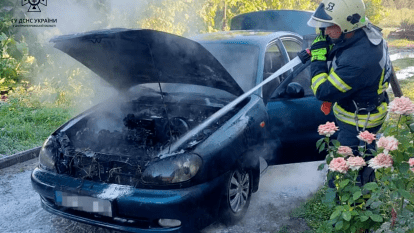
351 68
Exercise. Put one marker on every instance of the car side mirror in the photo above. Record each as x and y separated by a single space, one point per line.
295 90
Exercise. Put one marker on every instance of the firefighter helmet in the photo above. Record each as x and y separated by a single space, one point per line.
349 15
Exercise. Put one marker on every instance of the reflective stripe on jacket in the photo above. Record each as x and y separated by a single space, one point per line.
356 71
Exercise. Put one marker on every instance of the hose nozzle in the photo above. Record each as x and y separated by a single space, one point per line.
304 55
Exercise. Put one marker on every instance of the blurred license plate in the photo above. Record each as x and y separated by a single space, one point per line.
84 203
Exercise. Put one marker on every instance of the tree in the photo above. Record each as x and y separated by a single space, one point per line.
213 15
174 16
14 58
375 11
388 4
187 17
399 4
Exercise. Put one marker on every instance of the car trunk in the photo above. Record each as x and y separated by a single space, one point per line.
116 142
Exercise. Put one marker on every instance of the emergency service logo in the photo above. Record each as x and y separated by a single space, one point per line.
27 21
34 4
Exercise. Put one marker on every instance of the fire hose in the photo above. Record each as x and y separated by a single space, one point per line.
190 134
302 58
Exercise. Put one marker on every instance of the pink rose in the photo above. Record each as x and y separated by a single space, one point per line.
380 161
412 169
345 150
388 143
338 165
411 162
356 163
401 105
327 129
366 137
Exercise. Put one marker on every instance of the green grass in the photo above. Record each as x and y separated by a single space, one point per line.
400 43
407 85
23 127
403 63
314 211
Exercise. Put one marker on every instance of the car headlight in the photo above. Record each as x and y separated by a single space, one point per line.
47 155
172 170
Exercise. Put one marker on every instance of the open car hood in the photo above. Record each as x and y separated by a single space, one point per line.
125 58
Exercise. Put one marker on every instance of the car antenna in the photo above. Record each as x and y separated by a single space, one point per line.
163 101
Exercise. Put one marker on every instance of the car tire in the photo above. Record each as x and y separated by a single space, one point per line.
236 199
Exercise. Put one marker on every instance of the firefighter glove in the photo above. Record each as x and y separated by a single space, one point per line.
319 48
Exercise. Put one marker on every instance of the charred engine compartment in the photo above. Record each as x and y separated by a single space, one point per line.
115 144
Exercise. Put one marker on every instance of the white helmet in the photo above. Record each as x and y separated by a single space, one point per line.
349 15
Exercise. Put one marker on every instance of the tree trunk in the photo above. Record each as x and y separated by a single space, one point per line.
223 28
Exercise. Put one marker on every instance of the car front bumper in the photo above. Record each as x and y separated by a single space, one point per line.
139 210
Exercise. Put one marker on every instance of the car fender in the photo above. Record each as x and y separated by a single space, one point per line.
250 161
235 142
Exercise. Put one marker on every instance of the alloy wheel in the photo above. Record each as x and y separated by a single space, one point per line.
239 191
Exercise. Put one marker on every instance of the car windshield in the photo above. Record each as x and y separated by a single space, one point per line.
240 60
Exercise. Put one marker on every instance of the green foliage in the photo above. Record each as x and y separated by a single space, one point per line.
179 17
374 10
407 24
388 199
399 4
213 10
14 62
403 63
14 59
394 17
400 43
25 122
407 85
314 211
188 17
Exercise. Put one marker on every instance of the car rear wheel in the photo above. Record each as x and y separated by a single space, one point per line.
237 196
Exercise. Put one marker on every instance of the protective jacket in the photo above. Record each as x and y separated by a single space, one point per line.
355 77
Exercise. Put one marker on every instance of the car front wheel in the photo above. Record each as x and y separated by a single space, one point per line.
237 196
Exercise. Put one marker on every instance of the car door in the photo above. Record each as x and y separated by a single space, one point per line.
294 118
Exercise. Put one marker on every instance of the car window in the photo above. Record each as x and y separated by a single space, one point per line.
240 60
303 78
292 47
273 60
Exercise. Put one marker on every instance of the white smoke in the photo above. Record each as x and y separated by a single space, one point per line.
77 16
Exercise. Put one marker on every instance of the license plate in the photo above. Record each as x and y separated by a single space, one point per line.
84 203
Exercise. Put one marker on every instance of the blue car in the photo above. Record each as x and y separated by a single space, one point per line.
158 159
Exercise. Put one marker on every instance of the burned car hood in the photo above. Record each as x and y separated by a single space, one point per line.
125 58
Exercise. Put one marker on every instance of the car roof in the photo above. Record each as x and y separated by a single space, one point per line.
259 38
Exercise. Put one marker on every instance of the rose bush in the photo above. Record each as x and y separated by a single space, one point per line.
327 129
388 144
366 137
345 150
386 205
356 163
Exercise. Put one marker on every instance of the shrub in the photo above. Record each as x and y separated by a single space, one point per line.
386 203
407 24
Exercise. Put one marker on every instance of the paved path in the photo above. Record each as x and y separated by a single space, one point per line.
282 188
